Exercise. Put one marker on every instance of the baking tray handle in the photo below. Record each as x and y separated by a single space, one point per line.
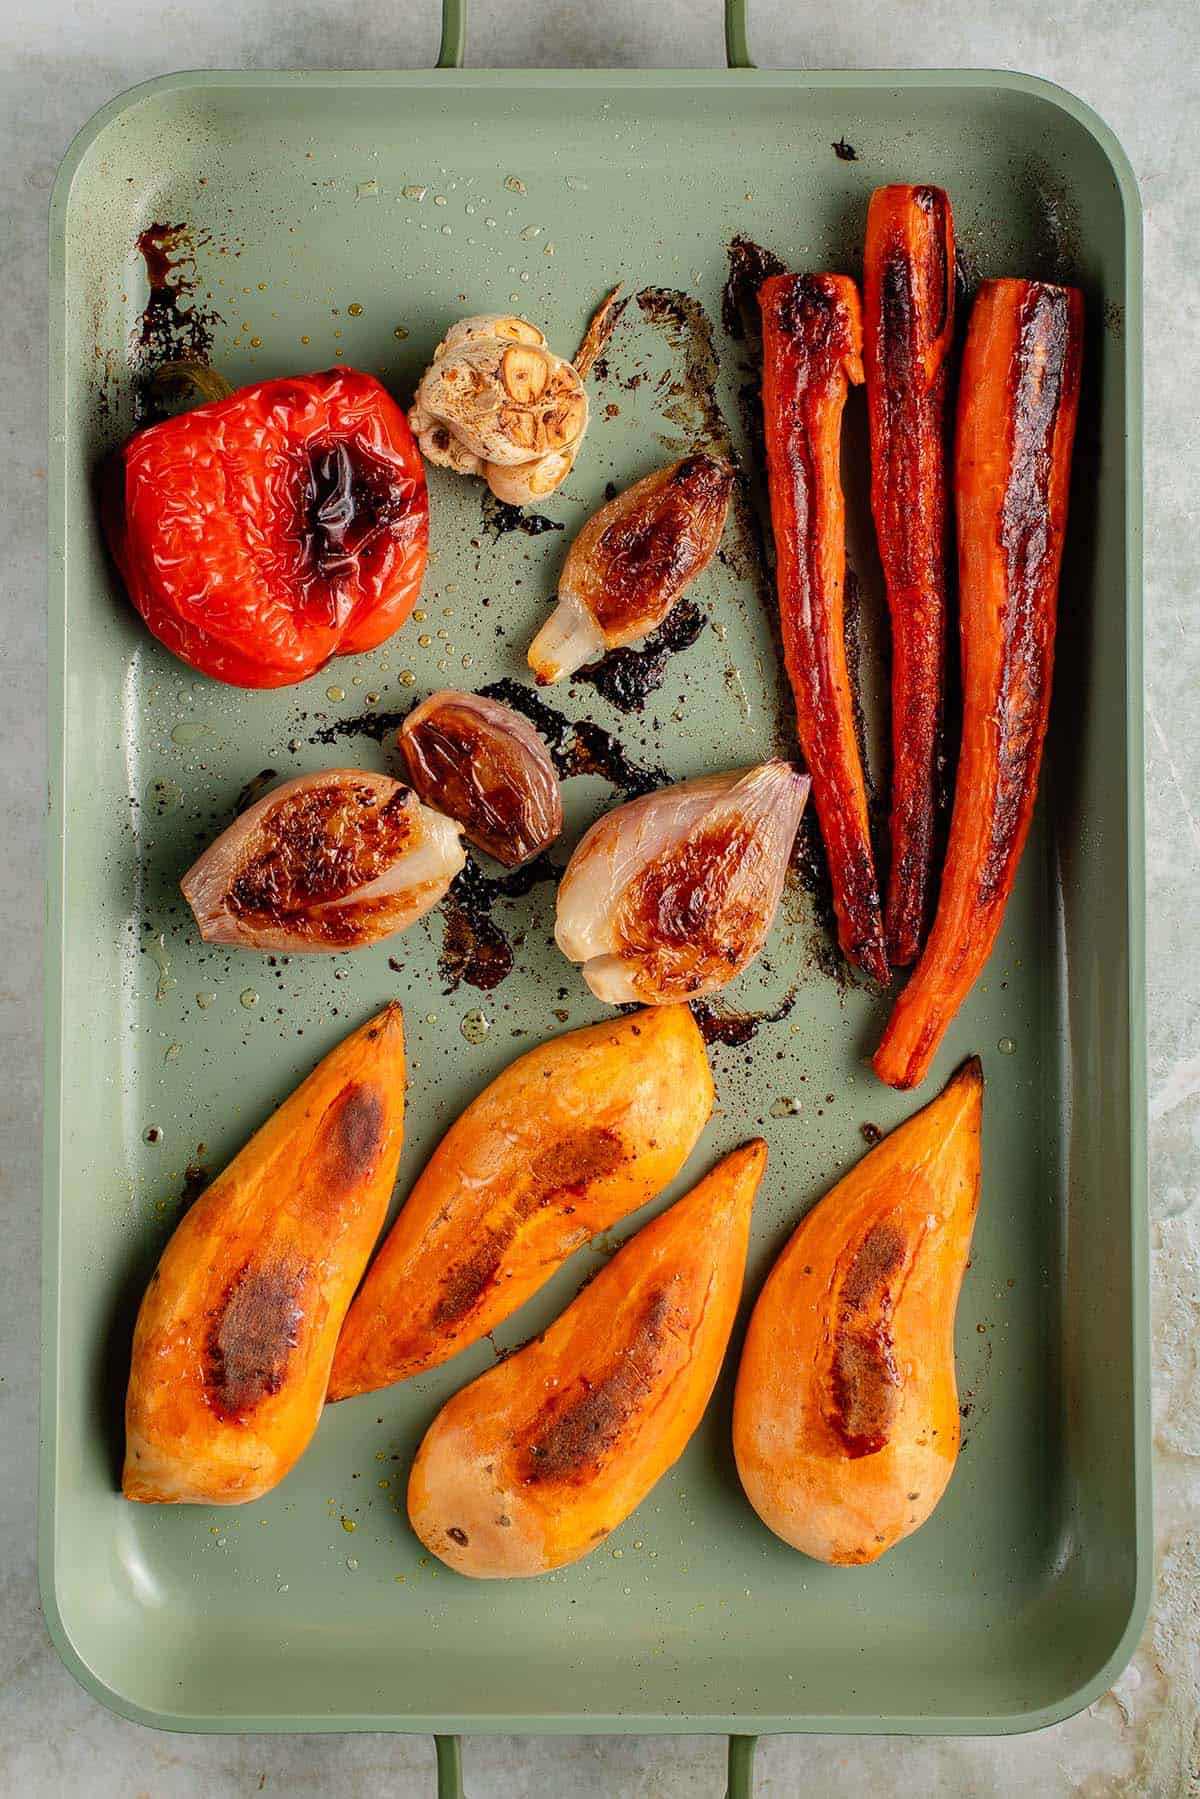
741 1764
453 50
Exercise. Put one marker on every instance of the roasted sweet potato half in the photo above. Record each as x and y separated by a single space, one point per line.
567 1140
845 1417
534 1463
236 1333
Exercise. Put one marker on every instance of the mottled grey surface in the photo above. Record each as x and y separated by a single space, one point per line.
1137 65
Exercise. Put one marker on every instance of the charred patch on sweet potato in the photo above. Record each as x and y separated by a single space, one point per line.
865 1382
568 1165
351 1135
251 1337
574 1431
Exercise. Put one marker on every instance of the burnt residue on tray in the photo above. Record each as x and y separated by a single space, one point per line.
721 1023
378 726
578 748
254 789
176 323
474 947
843 151
626 677
749 266
499 518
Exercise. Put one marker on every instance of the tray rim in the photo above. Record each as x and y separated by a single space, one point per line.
1026 1719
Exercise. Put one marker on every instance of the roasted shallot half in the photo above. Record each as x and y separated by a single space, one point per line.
329 861
487 767
670 896
631 562
496 401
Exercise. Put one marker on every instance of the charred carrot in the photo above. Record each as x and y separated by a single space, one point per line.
812 351
1018 403
908 306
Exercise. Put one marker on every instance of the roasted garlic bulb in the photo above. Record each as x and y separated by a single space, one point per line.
631 562
326 862
487 767
670 896
497 402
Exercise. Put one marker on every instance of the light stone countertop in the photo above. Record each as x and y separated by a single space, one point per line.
1136 64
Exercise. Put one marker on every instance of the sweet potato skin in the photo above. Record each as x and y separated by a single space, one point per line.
812 351
1018 403
236 1332
532 1465
564 1142
845 1419
908 328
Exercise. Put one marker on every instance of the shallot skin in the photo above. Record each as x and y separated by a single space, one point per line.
669 897
631 562
330 861
486 766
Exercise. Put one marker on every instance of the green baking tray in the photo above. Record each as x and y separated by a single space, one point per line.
350 217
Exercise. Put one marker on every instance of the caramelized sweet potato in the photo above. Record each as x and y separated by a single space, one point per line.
236 1333
812 351
570 1138
534 1463
1018 401
845 1416
908 317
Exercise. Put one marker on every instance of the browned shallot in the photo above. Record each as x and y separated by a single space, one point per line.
329 861
632 561
488 768
670 896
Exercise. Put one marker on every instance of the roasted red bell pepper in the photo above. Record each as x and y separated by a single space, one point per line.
812 350
1017 406
260 535
908 324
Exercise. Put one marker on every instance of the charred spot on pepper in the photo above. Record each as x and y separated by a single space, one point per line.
350 497
574 1431
252 1336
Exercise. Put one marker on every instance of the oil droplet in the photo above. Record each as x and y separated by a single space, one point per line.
335 693
447 231
400 331
475 1026
1006 1046
786 1107
407 677
153 1133
420 615
414 192
439 200
530 231
424 640
490 223
576 183
306 340
204 1000
431 1018
514 184
352 1563
249 998
617 1554
349 1524
355 311
173 1052
366 190
190 733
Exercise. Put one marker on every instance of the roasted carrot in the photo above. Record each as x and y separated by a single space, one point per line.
812 351
908 307
1018 402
